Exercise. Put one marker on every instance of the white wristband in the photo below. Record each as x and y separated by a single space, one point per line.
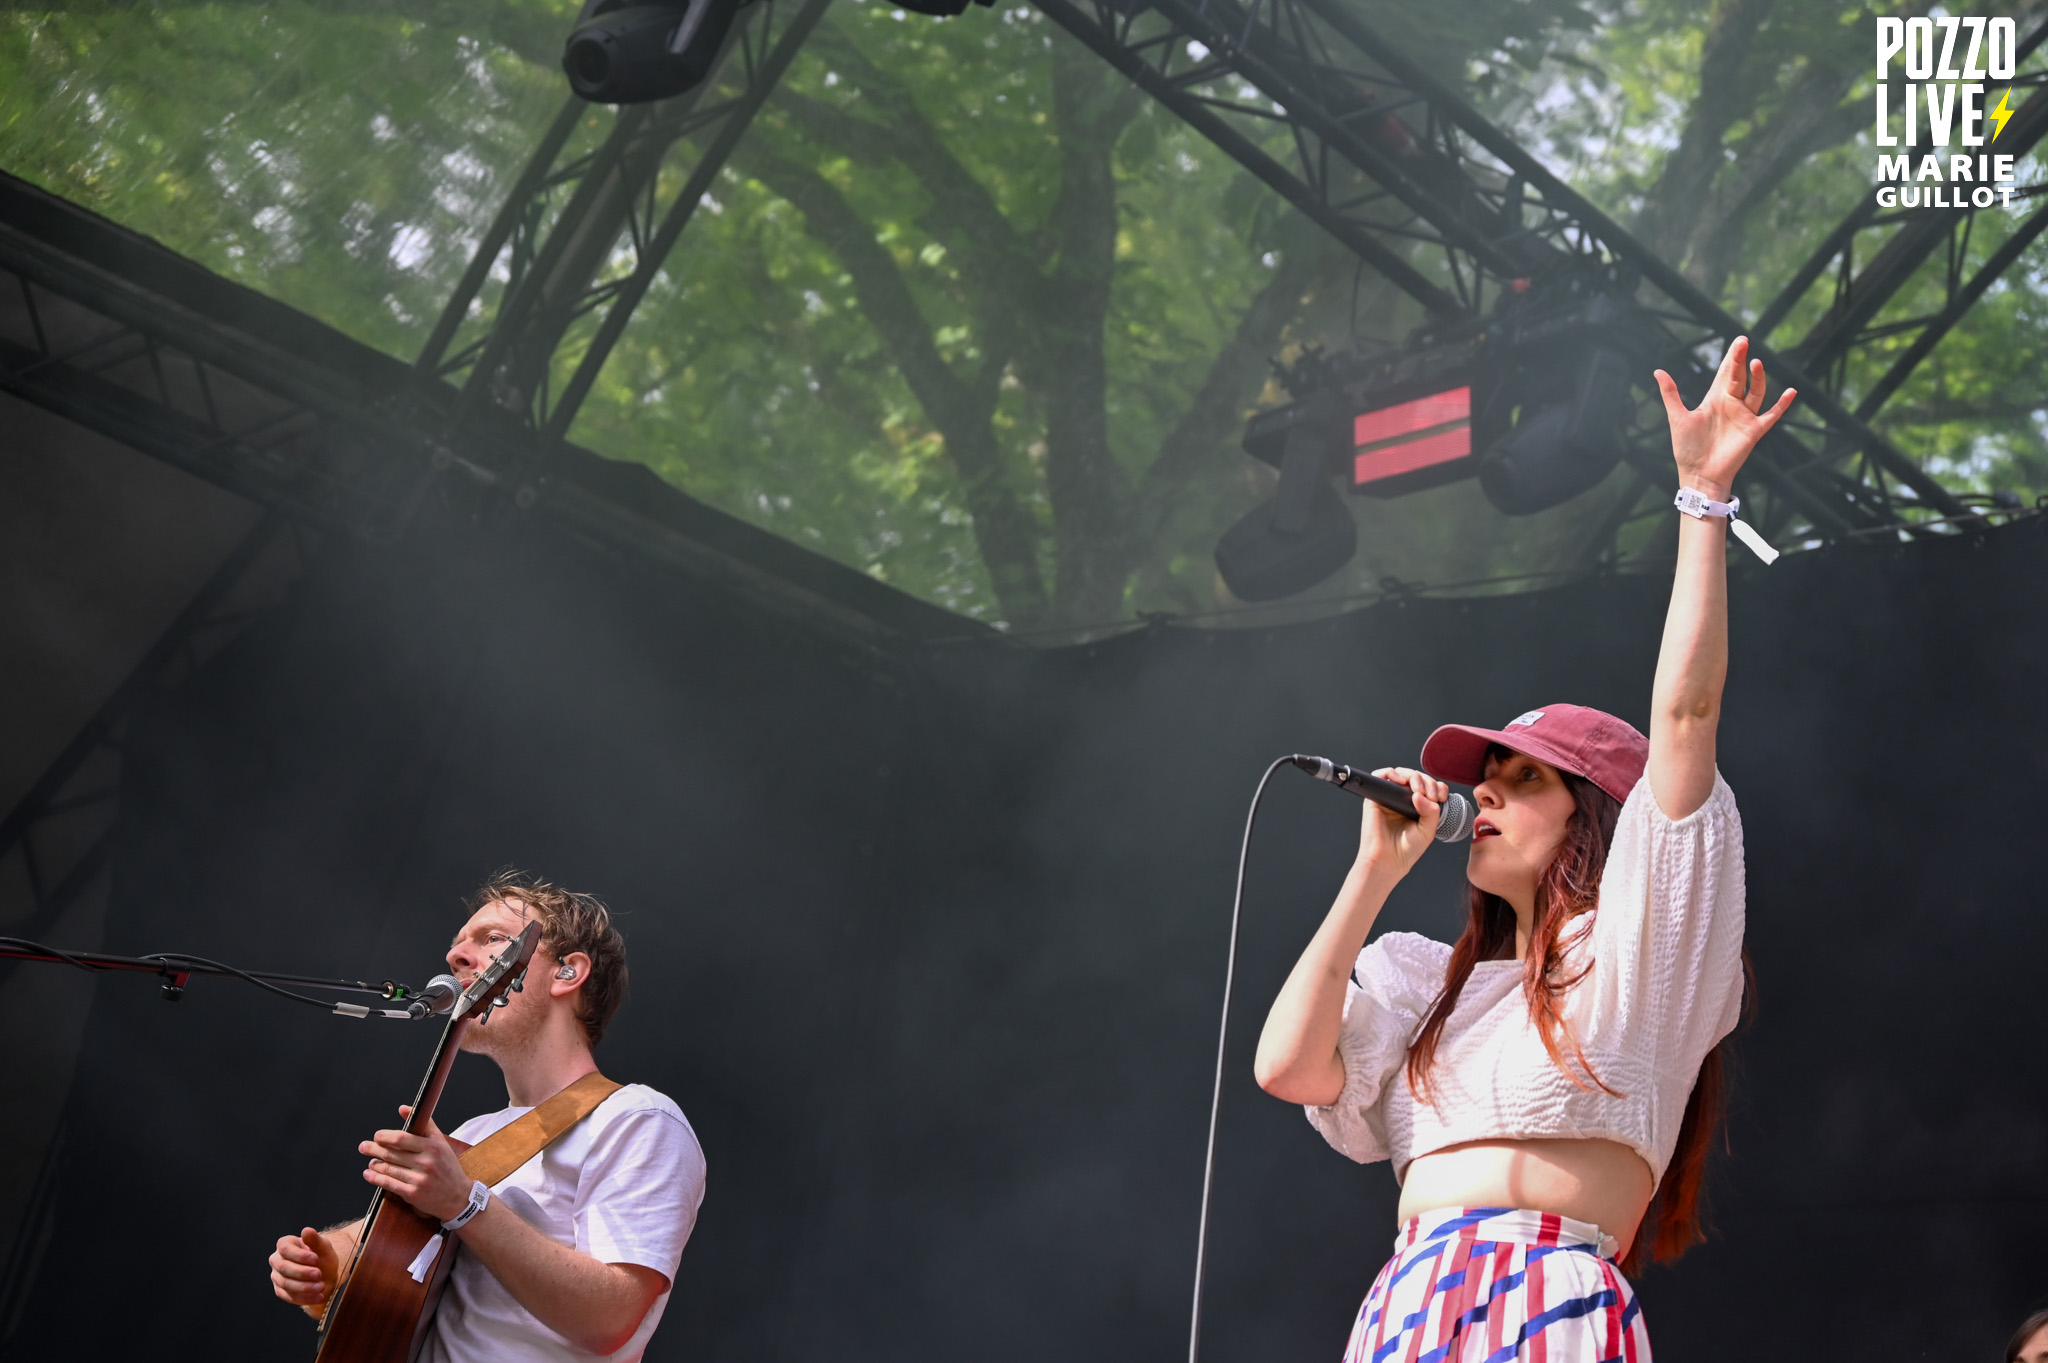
479 1198
1699 506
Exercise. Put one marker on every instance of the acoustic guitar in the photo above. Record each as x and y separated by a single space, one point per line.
381 1310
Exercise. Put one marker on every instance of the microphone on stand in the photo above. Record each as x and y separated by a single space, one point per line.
1454 826
437 997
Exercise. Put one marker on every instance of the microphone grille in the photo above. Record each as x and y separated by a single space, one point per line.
1456 823
436 997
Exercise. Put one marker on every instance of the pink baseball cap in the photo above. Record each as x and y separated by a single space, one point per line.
1607 751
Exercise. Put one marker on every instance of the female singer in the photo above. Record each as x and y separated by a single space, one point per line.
1540 1084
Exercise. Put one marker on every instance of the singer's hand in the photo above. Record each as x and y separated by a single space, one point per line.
1298 1060
1712 441
1391 843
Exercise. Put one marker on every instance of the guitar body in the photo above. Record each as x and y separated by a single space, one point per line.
381 1313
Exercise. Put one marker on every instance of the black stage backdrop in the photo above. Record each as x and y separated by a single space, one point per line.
930 951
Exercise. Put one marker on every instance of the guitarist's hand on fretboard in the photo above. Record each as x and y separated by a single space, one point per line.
419 1165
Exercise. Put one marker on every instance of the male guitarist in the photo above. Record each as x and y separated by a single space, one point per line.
572 1255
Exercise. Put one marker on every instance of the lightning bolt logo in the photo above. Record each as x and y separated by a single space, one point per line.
2002 112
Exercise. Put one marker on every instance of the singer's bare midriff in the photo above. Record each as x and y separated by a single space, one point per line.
1603 1182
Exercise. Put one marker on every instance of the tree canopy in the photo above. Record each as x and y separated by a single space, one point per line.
966 310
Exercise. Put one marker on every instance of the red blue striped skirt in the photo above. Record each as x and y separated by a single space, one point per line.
1491 1285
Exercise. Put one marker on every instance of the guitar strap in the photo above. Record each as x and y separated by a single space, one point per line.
498 1156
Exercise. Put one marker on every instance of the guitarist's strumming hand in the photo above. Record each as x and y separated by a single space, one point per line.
419 1166
305 1267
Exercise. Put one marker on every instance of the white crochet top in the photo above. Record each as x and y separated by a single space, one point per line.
1664 987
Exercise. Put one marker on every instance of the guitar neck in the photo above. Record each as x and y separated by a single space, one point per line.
429 1095
423 1104
397 1227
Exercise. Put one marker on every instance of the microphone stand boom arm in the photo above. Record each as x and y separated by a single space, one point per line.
176 968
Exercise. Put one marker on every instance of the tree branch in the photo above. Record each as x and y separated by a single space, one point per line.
1813 118
1674 206
533 29
1942 410
1093 545
1049 296
963 215
1212 418
960 408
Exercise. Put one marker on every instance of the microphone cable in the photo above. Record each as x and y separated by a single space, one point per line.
1222 1040
1454 824
178 966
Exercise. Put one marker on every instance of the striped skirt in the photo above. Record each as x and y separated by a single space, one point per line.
1492 1284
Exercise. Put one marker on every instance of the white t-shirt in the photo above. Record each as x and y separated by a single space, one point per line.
623 1186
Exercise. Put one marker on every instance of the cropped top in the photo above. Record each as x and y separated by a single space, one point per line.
1665 984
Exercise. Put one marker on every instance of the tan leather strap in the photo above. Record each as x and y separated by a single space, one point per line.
500 1154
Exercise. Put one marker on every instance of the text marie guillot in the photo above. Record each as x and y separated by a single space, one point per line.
1949 63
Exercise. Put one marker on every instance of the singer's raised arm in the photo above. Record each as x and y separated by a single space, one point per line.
1710 443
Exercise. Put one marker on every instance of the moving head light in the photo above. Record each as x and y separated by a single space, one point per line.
1568 430
624 53
1560 375
1533 401
1306 533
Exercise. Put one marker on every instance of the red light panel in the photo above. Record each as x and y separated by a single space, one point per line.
1416 454
1408 418
1412 435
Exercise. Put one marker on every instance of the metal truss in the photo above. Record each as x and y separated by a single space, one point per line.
585 231
1304 93
82 335
93 345
1962 296
60 834
1401 169
31 1236
126 339
1339 144
56 844
1893 247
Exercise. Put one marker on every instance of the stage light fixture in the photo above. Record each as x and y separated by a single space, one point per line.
1554 451
1390 426
939 9
621 53
1285 546
1533 401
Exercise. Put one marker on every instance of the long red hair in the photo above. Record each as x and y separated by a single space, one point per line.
1566 895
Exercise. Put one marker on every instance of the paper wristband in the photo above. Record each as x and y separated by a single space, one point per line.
479 1198
423 1263
1699 506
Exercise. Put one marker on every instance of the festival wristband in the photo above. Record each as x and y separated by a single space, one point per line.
1699 506
479 1198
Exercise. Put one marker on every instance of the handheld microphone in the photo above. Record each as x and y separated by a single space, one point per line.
437 997
1454 826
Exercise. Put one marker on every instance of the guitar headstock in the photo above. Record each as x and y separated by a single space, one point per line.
504 973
